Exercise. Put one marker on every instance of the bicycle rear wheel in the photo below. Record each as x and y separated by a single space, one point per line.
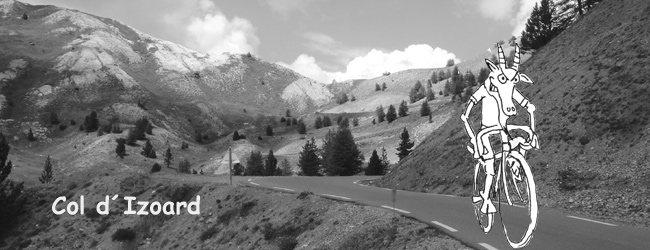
520 191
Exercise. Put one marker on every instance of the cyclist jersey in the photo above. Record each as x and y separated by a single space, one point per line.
489 117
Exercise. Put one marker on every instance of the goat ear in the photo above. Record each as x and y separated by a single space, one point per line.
491 66
524 78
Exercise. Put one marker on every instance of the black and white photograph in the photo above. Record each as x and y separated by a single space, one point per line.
324 124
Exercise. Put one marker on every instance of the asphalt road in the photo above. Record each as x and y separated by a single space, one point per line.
455 216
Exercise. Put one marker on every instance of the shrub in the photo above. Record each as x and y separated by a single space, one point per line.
30 135
73 122
62 126
155 168
184 145
207 234
287 243
123 234
184 166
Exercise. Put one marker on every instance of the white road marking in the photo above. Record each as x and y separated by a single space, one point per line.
356 182
254 183
487 246
396 209
386 189
595 221
505 203
336 196
249 179
448 195
290 190
445 226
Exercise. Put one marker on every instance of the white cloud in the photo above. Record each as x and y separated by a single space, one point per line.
214 33
496 9
326 45
375 62
525 8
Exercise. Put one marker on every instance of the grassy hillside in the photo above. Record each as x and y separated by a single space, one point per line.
230 218
591 84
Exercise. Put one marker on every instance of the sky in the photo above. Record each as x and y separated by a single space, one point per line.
325 39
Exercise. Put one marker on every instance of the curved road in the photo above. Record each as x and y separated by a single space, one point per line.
455 216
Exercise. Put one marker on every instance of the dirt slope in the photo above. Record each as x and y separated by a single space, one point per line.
591 89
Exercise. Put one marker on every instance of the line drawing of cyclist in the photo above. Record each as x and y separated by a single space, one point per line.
497 94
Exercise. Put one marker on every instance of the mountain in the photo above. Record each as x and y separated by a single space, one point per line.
67 61
591 85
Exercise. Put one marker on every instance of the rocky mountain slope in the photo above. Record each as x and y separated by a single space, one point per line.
58 59
591 88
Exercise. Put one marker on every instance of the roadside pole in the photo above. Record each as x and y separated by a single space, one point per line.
230 164
394 193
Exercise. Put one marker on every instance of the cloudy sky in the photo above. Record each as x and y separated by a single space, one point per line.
325 39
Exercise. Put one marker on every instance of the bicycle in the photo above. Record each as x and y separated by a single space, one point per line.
521 177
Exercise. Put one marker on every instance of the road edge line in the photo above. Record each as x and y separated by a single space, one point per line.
595 221
451 229
396 209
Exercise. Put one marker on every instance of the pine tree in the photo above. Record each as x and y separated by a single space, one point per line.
430 95
237 169
377 88
318 123
425 110
403 109
184 145
47 176
132 137
344 123
450 62
380 114
539 27
470 78
288 113
115 129
327 121
271 164
302 128
482 75
120 149
11 193
288 122
169 157
385 163
341 98
383 86
342 154
294 121
100 132
309 161
374 165
54 118
355 122
285 168
391 115
255 164
148 150
405 145
235 135
373 121
441 75
141 127
417 92
352 98
91 123
30 135
149 128
269 130
184 166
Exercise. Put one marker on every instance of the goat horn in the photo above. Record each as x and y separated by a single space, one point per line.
502 57
515 64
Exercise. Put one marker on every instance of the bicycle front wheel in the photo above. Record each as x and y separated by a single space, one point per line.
520 192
